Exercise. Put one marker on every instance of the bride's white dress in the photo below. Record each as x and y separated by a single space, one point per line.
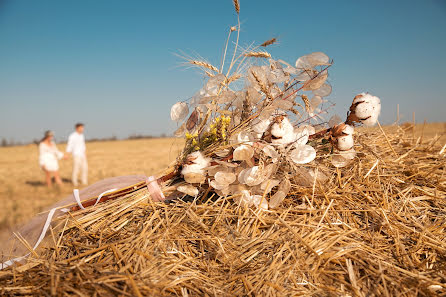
49 156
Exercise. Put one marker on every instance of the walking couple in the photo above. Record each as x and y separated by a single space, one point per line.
49 156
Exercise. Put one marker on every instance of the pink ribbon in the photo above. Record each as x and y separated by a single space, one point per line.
154 189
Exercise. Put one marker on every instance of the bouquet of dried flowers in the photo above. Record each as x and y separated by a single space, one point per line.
251 129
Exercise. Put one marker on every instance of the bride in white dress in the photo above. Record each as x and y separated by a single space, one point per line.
49 157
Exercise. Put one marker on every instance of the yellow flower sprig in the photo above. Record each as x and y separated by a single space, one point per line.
217 132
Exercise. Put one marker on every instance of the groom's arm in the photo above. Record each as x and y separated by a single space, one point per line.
69 148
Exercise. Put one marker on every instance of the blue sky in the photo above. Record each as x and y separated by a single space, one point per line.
111 64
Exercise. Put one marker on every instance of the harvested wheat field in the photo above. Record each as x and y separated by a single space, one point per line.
375 228
23 192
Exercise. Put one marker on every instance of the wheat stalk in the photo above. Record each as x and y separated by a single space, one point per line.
269 42
307 102
236 6
258 54
262 86
233 78
204 65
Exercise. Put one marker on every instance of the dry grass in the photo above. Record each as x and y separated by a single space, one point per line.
375 228
22 190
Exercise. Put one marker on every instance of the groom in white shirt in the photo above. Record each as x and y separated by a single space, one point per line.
76 147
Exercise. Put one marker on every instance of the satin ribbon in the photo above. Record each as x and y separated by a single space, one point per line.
154 189
47 225
152 186
42 235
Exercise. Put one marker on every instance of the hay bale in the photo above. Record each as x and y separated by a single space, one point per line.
375 228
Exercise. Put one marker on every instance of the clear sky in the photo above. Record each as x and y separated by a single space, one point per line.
111 64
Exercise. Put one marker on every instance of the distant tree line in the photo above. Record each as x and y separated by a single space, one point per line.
5 143
11 142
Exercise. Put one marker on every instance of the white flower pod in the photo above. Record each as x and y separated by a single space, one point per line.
253 95
305 177
282 192
212 170
334 121
243 153
286 139
217 186
228 190
371 121
223 152
323 91
281 128
310 129
259 201
367 108
255 176
304 76
271 152
188 189
268 185
251 177
303 154
277 76
227 164
196 163
266 113
197 158
316 82
226 96
303 63
260 126
349 130
343 134
194 178
268 171
225 177
179 111
288 69
317 59
314 103
243 198
282 104
231 190
239 99
344 158
302 135
193 168
196 98
180 131
261 74
283 132
350 154
214 84
339 161
245 137
345 142
242 175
